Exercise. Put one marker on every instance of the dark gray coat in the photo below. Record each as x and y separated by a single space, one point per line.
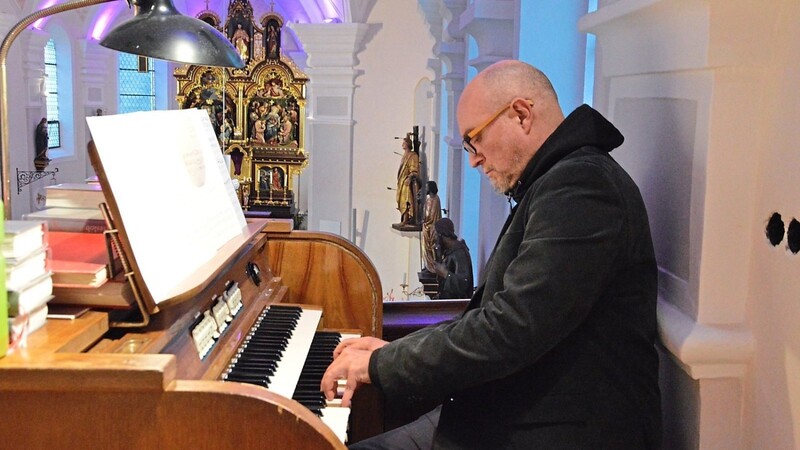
556 349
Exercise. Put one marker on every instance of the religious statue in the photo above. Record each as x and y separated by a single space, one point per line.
258 131
272 41
408 186
40 159
277 179
241 40
226 130
433 212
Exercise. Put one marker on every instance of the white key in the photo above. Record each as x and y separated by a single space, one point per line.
336 419
294 356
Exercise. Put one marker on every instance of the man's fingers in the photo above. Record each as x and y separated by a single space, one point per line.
328 385
343 345
349 390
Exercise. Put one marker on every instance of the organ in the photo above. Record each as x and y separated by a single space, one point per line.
81 384
212 357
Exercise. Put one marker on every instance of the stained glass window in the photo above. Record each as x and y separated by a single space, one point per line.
137 90
51 88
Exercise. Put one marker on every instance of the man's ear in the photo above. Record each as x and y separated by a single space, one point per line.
523 109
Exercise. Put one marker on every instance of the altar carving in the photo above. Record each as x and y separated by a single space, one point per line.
258 112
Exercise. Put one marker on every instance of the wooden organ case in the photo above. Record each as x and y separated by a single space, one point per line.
156 381
258 112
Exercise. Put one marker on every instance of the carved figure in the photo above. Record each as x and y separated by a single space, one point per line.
42 139
241 40
433 212
277 179
408 183
272 41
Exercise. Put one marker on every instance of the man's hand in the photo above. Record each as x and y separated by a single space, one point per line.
351 363
362 343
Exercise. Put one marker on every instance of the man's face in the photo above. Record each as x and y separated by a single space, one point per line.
495 144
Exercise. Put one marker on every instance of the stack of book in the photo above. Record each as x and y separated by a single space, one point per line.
72 207
79 260
79 255
28 281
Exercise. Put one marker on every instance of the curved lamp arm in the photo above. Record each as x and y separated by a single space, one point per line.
157 30
4 48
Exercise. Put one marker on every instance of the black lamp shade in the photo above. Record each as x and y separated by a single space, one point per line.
159 31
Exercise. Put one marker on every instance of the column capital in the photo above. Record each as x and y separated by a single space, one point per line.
331 45
492 25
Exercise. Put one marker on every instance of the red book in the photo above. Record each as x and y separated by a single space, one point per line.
78 259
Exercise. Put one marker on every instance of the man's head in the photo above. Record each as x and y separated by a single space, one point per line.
505 114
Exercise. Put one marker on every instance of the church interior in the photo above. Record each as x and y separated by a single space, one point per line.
314 127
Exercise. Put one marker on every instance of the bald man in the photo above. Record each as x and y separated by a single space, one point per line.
556 349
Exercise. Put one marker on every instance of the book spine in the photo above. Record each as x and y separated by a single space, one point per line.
22 302
73 202
76 225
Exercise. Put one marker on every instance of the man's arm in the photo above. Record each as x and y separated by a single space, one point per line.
570 237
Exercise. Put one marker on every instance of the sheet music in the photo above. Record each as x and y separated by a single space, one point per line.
173 189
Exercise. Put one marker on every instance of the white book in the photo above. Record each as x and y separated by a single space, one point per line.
74 195
21 326
85 220
23 271
31 296
22 238
174 174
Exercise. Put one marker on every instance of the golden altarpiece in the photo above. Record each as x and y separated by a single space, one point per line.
258 112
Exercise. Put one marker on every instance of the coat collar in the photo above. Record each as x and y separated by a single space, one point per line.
583 127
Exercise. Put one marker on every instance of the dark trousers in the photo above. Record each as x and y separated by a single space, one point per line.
415 435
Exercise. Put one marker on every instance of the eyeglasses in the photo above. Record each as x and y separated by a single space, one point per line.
467 142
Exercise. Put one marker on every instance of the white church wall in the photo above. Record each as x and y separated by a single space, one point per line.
394 61
705 93
771 106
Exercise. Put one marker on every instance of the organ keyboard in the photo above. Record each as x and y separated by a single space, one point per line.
285 353
82 384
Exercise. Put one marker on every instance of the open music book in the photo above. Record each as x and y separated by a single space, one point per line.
172 190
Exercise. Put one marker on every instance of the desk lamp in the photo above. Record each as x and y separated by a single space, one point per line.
157 30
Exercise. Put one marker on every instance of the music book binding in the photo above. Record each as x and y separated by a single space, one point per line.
114 294
75 246
84 220
74 195
78 273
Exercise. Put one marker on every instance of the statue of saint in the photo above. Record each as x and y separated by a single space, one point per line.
277 179
272 41
40 159
433 212
408 185
241 40
455 269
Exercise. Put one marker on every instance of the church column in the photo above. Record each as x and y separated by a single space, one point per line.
494 27
331 50
95 66
34 99
452 52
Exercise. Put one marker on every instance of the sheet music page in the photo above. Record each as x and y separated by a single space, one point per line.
173 189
